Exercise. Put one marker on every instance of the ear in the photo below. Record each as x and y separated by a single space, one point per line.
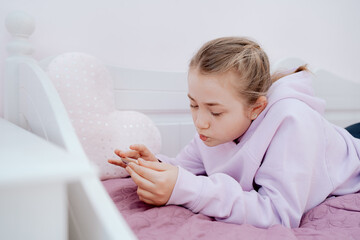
258 107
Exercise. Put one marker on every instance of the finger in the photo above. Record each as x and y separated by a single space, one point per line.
139 180
144 195
144 152
129 154
158 166
148 197
146 200
117 162
147 173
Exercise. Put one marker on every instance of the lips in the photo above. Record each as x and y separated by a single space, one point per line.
202 137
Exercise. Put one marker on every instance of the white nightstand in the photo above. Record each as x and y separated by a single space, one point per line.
33 185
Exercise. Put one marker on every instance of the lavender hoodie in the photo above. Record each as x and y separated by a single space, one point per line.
295 156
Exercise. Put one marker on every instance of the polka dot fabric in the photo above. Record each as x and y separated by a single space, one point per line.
86 89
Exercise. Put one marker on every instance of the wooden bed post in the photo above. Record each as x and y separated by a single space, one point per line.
20 25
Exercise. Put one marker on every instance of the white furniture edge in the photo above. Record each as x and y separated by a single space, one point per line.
92 214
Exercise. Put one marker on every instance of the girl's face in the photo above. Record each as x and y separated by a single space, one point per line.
218 113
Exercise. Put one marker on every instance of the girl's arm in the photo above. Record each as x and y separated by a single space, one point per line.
293 178
189 159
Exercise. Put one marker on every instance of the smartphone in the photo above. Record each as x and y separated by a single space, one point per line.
126 160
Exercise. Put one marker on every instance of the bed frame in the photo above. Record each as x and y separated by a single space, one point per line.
31 104
36 121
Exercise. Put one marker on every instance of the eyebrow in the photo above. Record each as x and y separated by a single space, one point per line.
209 104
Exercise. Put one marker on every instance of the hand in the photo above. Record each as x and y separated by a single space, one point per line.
155 180
137 151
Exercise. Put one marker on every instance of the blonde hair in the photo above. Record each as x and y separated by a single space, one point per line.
241 55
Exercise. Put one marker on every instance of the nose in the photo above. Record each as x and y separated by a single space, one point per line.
201 122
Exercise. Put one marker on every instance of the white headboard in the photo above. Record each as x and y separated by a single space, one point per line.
342 96
160 95
30 99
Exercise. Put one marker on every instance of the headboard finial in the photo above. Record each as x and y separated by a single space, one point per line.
20 25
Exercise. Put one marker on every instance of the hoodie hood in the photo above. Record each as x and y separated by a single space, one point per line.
298 86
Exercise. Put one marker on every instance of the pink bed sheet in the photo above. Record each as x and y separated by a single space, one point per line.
335 218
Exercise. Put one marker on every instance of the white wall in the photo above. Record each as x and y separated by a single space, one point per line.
163 34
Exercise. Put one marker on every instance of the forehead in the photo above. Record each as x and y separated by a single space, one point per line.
212 87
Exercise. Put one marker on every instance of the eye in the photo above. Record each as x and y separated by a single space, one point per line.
193 106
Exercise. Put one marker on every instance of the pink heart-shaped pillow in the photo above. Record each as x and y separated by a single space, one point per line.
86 89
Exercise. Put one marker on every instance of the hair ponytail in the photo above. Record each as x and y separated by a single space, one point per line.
277 75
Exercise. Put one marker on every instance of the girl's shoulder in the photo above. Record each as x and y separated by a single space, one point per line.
293 111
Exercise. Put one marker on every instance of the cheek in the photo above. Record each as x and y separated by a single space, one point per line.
243 126
234 126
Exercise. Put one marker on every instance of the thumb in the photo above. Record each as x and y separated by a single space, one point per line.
158 166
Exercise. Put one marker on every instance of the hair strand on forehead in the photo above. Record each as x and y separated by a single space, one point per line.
243 56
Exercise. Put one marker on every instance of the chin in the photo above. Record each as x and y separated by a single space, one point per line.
211 144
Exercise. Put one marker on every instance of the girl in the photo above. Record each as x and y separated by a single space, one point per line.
263 154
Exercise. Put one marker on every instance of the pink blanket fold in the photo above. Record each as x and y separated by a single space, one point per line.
335 218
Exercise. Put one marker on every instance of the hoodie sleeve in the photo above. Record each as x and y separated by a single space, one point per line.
287 177
189 158
222 197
